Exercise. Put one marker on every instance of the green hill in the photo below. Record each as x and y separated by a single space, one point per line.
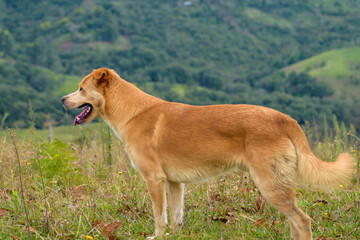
339 67
201 52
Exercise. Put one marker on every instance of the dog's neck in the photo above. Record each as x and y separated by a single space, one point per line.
123 102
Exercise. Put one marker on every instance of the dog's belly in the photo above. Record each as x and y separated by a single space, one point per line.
194 174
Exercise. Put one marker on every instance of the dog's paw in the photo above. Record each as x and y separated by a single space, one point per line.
153 237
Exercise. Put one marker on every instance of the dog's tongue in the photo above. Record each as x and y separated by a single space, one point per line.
79 119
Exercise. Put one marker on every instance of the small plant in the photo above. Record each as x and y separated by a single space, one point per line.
13 136
106 142
56 160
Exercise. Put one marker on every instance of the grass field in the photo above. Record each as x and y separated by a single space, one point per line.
266 19
85 188
340 68
67 134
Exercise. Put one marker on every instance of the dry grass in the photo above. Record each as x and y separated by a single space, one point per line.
88 194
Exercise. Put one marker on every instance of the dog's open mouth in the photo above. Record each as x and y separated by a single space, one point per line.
80 119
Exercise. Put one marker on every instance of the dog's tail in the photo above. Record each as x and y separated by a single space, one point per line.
315 172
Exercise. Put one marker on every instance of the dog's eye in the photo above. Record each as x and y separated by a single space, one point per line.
80 89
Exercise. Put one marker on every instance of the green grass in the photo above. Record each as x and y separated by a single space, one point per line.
85 194
340 68
121 43
267 19
68 85
64 133
333 64
180 89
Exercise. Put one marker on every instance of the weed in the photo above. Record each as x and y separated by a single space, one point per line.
88 198
12 135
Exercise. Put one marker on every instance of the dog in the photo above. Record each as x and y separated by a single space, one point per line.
171 144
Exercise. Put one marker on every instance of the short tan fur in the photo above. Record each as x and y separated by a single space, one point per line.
170 144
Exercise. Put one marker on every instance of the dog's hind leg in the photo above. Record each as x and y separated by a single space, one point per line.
176 203
275 179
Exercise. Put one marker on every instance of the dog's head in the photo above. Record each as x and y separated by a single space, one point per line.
90 95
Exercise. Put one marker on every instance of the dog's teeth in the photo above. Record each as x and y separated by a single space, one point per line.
77 118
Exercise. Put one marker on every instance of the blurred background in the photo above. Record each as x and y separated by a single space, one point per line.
300 57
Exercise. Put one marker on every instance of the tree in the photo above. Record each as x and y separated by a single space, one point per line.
6 41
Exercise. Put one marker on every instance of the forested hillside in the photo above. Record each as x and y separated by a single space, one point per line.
199 52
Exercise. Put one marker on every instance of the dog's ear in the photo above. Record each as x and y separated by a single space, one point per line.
102 77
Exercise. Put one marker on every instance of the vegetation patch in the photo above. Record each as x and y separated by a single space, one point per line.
87 189
228 48
340 68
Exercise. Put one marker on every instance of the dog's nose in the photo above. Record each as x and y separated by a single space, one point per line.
63 99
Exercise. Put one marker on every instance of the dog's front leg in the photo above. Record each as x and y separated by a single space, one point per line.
156 188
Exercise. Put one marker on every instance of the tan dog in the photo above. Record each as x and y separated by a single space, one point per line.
172 143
